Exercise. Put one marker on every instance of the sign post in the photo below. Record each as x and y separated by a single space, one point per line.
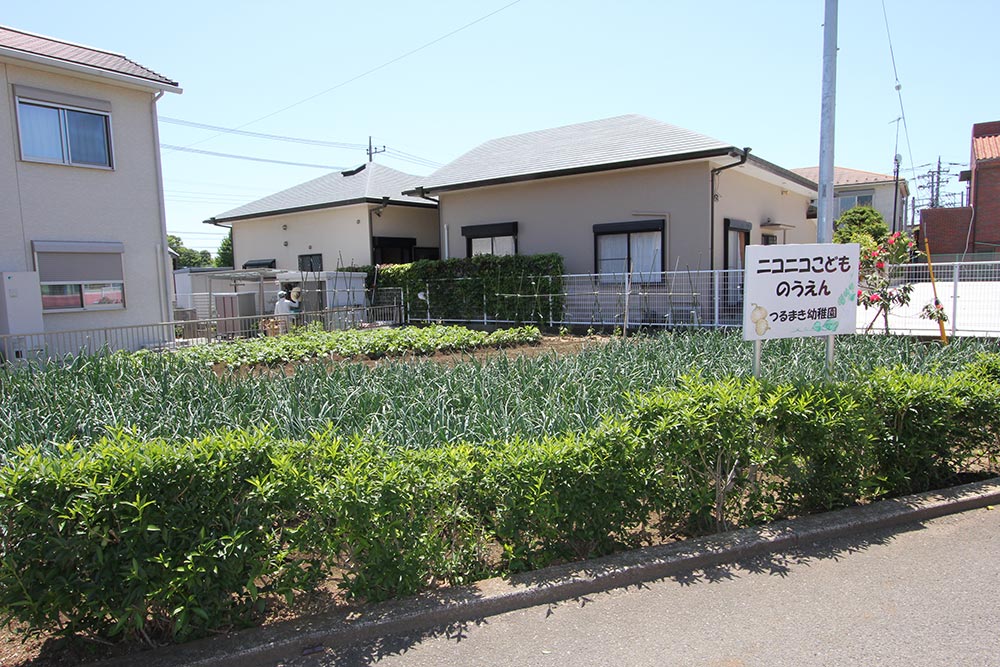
793 291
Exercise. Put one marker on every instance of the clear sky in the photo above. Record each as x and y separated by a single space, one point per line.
747 73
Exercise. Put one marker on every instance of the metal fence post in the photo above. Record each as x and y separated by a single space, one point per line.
715 298
954 298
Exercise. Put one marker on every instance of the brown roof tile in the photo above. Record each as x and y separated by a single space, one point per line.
845 176
39 45
986 148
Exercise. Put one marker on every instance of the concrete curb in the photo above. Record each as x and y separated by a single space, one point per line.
266 647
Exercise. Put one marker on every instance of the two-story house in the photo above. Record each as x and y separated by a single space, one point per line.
82 226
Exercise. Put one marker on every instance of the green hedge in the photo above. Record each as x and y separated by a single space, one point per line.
515 288
158 539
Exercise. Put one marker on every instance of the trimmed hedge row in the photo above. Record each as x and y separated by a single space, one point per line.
516 288
171 540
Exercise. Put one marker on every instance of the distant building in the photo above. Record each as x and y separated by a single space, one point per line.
854 187
972 230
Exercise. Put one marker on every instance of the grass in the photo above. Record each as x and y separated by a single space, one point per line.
416 403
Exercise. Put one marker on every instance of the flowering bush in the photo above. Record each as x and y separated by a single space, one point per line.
934 311
879 287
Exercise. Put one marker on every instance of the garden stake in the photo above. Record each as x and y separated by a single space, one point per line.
930 268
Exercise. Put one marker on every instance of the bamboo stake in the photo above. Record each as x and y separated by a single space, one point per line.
930 268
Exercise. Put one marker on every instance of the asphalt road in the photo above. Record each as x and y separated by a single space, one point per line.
921 595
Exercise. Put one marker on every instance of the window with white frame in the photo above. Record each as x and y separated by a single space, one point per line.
80 275
63 129
848 200
492 239
623 247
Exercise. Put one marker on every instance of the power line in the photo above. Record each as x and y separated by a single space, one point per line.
899 87
262 135
188 149
366 73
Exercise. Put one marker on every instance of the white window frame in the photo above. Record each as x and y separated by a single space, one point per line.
853 195
64 103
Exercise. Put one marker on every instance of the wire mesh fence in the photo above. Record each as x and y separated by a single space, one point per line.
969 292
383 307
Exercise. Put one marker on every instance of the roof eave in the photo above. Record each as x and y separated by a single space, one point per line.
225 221
783 173
574 171
118 77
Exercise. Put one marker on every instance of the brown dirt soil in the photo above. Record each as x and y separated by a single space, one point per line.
47 651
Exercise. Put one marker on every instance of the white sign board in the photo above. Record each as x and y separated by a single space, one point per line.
791 291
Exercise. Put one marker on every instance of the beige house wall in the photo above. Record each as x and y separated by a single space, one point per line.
410 222
558 214
744 197
340 234
71 203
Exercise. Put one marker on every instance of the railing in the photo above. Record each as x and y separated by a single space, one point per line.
969 291
383 309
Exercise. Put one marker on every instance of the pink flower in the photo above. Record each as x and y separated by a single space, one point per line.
874 298
880 264
859 294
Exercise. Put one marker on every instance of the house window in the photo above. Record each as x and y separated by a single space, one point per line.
495 239
392 249
623 246
848 200
63 129
769 239
80 275
312 262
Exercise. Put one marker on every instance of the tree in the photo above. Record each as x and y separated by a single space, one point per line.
186 256
224 255
862 225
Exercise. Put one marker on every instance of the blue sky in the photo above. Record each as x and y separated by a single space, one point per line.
748 73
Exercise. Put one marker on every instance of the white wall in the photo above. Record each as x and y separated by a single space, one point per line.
410 222
744 197
341 234
69 203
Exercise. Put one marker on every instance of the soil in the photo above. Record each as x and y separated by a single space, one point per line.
49 651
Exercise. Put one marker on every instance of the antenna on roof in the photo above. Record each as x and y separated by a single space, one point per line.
372 152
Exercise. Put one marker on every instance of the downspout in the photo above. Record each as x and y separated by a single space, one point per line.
165 285
711 211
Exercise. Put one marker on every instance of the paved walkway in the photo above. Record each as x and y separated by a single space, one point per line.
921 595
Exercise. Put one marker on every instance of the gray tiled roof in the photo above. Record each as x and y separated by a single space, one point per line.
372 182
48 47
610 142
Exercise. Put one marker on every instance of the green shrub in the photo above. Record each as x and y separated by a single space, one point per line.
146 538
514 288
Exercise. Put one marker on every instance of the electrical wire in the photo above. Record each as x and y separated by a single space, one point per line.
188 149
365 73
899 88
263 135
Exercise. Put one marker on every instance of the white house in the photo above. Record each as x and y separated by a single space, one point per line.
854 187
349 218
82 229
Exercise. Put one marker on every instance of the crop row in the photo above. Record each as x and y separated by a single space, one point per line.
416 403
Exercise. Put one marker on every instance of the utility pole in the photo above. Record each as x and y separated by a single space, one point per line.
895 190
824 209
372 152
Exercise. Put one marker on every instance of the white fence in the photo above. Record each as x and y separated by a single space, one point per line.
382 308
970 293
